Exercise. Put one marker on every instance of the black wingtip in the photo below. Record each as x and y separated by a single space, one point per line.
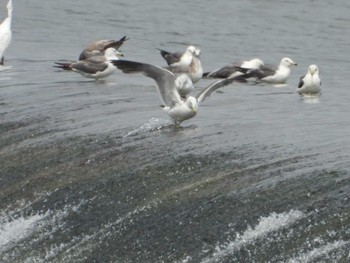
124 38
62 65
128 66
163 53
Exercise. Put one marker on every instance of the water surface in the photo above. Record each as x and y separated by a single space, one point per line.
95 172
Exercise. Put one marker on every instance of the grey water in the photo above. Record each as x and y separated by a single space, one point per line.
95 172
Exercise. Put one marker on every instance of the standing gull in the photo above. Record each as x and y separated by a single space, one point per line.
186 67
98 47
96 67
234 69
194 70
310 84
5 32
178 59
177 108
270 74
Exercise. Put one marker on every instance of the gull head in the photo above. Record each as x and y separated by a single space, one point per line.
313 69
191 49
192 104
197 52
287 62
112 53
257 62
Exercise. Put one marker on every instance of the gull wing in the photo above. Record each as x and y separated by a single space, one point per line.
223 72
88 66
206 92
262 72
164 78
171 58
301 82
98 47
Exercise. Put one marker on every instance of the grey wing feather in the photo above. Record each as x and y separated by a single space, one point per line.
261 72
223 72
98 47
164 78
171 58
89 66
206 92
301 82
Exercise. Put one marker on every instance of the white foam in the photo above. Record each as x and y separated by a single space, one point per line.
151 125
17 229
266 225
316 253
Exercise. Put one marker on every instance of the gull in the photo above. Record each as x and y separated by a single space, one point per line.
98 47
234 69
271 74
310 83
177 108
96 67
194 70
187 68
178 59
5 32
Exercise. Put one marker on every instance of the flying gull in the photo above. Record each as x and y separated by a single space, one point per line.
96 67
271 74
5 32
98 47
234 69
177 108
310 84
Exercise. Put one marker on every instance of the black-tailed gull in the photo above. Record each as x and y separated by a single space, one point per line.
234 69
272 74
194 69
177 108
96 67
310 84
187 68
178 59
98 47
5 32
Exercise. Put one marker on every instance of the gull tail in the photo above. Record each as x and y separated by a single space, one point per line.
62 65
163 53
117 43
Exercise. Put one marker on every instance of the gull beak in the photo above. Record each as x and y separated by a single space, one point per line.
194 110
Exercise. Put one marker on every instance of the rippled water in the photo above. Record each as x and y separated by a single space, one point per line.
94 171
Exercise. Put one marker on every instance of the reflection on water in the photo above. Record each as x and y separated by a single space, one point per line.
309 98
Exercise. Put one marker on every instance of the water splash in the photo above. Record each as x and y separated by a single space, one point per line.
266 225
18 229
316 253
151 125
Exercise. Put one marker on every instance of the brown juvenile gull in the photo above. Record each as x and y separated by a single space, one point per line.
177 108
96 67
98 47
